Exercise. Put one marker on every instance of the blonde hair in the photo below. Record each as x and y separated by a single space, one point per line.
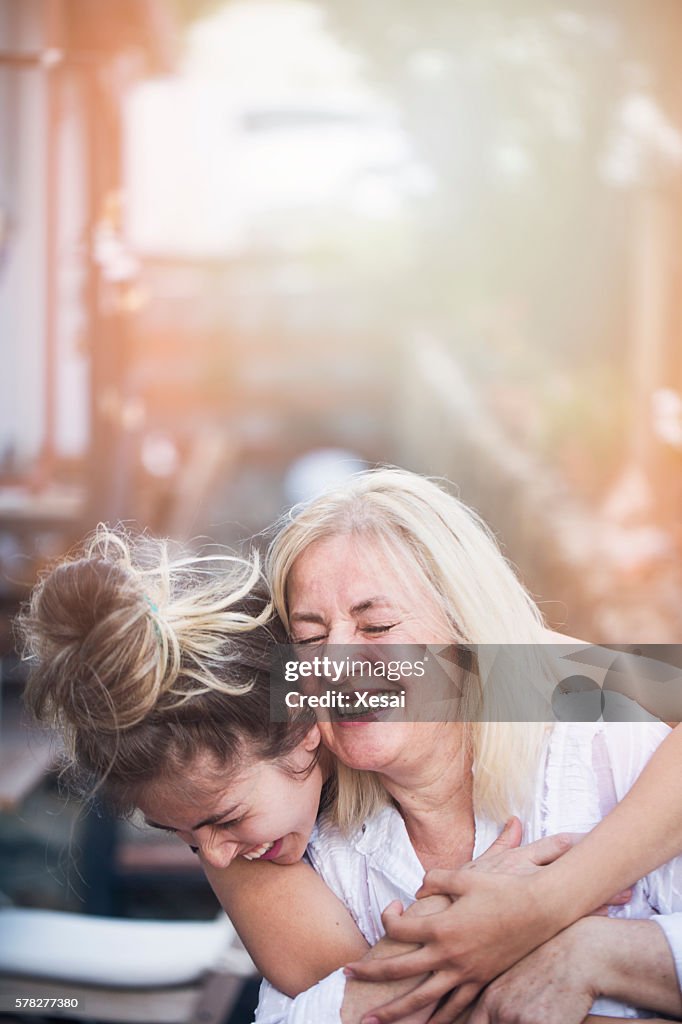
458 560
142 660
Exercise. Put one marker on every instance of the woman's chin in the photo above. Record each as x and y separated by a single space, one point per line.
367 746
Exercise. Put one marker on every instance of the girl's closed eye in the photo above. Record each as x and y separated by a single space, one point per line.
231 823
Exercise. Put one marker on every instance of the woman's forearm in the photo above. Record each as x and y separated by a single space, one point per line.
637 963
295 929
598 957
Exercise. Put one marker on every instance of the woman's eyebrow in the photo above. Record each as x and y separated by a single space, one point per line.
371 602
380 600
306 617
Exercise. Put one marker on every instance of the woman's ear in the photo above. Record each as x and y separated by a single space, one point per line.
312 739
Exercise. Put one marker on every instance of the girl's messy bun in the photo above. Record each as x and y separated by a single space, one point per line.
123 629
141 659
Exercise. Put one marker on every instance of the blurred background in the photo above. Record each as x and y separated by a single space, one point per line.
247 246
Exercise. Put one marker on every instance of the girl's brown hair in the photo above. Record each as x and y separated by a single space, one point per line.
142 661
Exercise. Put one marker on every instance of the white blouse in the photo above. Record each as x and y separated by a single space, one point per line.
585 769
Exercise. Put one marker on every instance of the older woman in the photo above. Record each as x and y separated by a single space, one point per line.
392 558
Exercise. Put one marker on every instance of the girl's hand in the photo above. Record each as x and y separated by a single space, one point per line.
497 919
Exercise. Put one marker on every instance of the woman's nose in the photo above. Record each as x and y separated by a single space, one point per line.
217 850
341 633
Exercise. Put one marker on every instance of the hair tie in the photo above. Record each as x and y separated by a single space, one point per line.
155 609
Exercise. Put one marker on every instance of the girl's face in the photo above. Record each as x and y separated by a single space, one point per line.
341 590
265 812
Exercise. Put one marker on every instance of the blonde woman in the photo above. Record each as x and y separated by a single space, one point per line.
339 571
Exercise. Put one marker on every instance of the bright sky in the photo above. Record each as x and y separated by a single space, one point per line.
201 181
267 50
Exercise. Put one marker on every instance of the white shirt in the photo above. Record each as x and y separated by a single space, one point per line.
584 771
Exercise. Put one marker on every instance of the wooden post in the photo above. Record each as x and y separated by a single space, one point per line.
53 54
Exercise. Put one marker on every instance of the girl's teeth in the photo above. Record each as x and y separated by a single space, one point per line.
258 852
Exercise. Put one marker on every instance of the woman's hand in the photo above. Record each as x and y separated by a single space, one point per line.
629 961
360 997
497 919
555 984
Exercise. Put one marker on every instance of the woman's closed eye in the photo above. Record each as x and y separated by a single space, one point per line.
320 638
377 630
306 641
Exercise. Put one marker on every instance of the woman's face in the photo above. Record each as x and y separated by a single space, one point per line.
342 590
264 812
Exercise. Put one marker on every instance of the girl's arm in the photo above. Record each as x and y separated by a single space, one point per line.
339 999
293 926
642 832
360 998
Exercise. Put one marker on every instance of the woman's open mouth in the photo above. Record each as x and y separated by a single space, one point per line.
355 711
266 851
354 717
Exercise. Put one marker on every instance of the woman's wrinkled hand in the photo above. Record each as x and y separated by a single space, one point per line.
555 984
